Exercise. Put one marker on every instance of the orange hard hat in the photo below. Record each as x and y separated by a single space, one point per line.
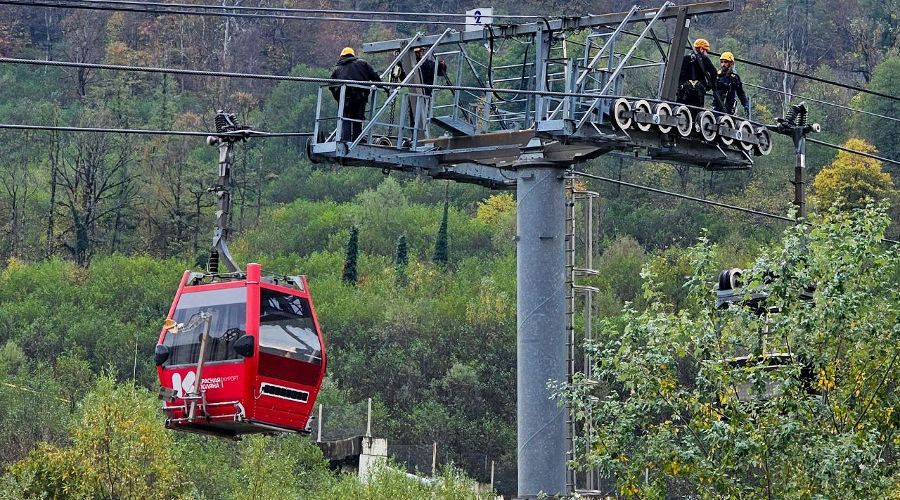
701 43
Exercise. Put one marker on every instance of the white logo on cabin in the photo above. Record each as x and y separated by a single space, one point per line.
185 385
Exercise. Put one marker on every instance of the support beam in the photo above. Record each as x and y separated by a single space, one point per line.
676 56
541 323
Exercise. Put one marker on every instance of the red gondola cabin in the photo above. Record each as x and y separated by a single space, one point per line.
263 361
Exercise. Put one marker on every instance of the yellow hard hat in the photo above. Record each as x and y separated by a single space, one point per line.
727 56
348 51
701 43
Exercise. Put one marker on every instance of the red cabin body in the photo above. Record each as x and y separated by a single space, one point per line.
264 359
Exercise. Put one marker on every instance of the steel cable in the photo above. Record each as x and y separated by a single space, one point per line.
813 99
320 80
853 151
163 11
136 7
298 10
700 200
243 133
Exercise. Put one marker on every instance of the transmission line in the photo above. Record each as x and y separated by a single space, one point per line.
789 72
143 7
300 10
252 133
685 197
148 10
813 99
321 80
700 200
301 79
854 151
817 79
191 133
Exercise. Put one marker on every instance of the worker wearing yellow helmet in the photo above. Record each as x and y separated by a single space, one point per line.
729 87
698 75
350 67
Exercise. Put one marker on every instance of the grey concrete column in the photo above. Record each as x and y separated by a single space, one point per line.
541 323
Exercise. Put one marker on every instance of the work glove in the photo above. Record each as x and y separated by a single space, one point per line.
747 111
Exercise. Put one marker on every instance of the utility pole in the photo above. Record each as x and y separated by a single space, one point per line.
795 126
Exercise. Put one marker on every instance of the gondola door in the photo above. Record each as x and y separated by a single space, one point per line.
291 360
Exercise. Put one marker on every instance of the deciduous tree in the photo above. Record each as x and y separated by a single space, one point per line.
852 179
796 402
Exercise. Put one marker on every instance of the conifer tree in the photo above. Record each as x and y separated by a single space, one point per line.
401 260
441 251
350 273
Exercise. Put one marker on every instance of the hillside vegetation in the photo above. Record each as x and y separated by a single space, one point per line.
96 229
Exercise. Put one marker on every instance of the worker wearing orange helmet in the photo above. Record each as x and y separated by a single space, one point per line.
729 87
698 75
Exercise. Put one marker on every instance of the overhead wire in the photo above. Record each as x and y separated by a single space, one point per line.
853 151
302 9
684 196
290 78
813 99
817 79
206 73
792 73
321 80
255 134
132 6
701 200
245 11
163 11
243 133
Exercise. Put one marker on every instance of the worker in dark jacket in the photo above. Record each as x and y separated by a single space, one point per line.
349 67
698 74
729 88
427 69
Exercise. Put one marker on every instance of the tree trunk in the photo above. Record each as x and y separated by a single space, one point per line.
54 168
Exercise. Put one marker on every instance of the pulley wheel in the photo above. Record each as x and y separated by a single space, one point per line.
746 130
642 106
726 121
663 109
622 113
765 142
685 121
384 141
706 125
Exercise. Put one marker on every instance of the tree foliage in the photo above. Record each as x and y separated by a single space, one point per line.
134 213
883 133
851 179
118 449
675 407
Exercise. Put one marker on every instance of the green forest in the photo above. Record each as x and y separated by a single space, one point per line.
97 229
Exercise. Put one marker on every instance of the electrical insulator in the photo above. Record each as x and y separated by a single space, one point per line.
801 114
791 117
